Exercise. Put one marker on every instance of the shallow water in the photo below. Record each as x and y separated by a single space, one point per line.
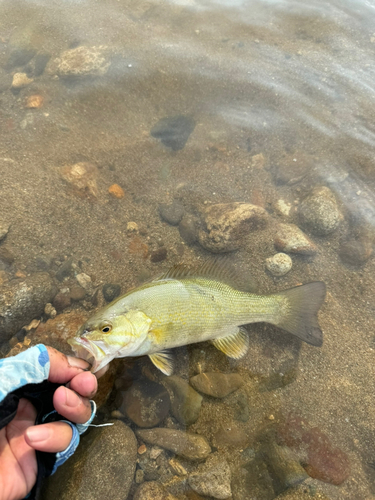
291 81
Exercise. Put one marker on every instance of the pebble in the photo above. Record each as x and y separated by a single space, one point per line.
356 251
212 478
188 229
177 467
22 301
289 238
215 384
34 101
82 177
158 255
111 291
231 435
142 449
172 213
185 401
85 281
282 207
279 264
20 80
283 466
61 301
77 293
80 62
4 228
50 311
173 131
227 224
104 462
146 403
319 211
185 444
151 490
139 476
132 227
116 191
64 270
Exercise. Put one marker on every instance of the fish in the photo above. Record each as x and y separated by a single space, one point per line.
188 305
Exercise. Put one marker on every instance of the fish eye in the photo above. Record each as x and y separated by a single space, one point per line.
106 328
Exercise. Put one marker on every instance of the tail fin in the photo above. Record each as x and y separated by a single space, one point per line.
302 318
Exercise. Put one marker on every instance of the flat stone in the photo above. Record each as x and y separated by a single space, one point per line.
104 462
81 62
319 211
151 490
212 478
279 264
186 402
231 435
174 131
227 224
215 384
185 444
290 239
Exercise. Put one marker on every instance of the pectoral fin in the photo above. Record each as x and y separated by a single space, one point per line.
235 345
163 361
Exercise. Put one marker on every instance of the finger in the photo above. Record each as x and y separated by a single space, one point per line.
71 406
52 437
85 384
64 368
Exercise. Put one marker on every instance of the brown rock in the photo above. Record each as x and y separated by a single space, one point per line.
34 101
356 251
290 239
116 191
215 384
61 301
82 177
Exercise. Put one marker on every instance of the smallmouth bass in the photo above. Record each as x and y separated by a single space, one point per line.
185 306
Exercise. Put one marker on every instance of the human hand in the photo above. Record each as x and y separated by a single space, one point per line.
20 438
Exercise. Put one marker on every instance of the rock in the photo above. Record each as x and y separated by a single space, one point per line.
85 281
61 301
139 476
177 467
22 301
226 224
151 490
20 80
320 458
104 462
146 403
289 238
82 177
319 212
34 101
116 191
172 213
212 478
111 291
231 435
50 311
6 255
185 444
159 255
282 207
188 229
4 228
279 264
215 384
257 161
77 293
81 62
356 251
64 270
185 401
173 131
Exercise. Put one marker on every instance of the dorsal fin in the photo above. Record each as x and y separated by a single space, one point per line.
219 269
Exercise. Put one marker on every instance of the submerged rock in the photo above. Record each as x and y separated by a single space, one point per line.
151 490
215 384
82 177
22 301
185 444
104 462
111 291
212 478
80 62
319 211
356 251
279 264
227 224
172 213
290 239
20 80
174 131
186 402
188 229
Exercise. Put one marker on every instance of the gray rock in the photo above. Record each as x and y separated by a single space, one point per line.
174 131
188 229
159 255
111 291
319 212
172 213
279 264
64 270
185 444
104 462
80 62
215 384
146 403
152 491
289 238
186 402
212 478
22 301
4 228
20 80
227 224
356 251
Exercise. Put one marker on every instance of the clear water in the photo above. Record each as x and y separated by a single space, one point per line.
293 81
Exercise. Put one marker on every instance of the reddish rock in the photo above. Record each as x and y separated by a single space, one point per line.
320 458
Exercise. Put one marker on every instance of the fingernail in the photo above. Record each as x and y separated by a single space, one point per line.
78 363
72 399
38 433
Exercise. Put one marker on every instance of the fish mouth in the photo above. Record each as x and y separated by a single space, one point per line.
86 350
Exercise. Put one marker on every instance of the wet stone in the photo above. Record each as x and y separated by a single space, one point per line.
279 264
188 229
158 255
173 131
231 435
146 403
186 444
172 213
6 255
111 291
81 62
22 301
212 478
20 80
64 270
185 401
82 177
77 293
61 301
319 212
85 281
289 238
104 462
356 251
151 490
215 384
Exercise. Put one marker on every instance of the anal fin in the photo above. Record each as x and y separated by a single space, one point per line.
163 361
234 345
